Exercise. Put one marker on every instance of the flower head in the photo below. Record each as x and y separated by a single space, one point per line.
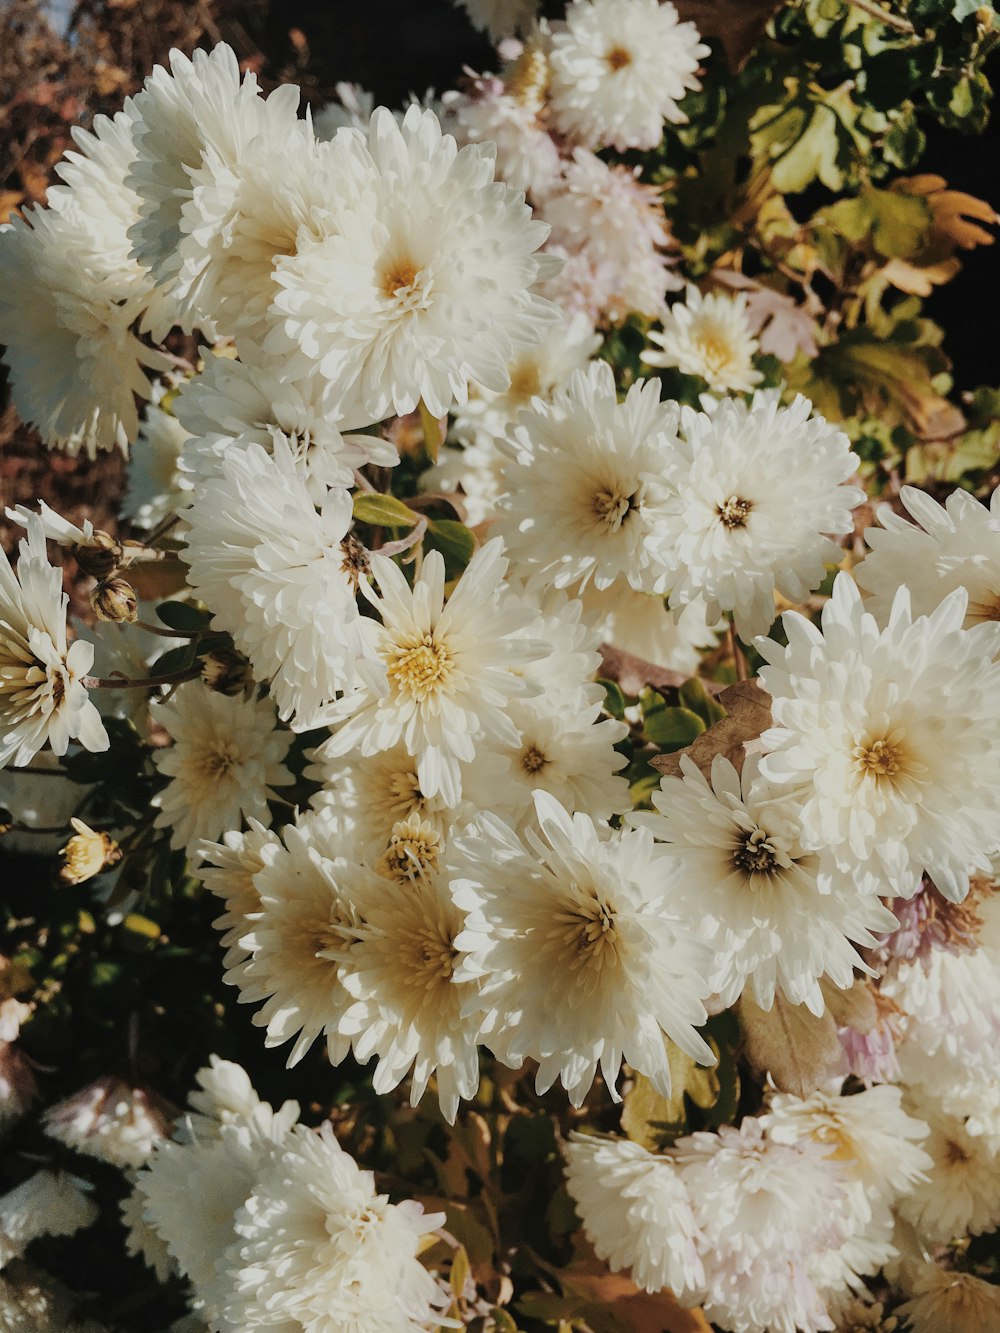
112 1120
708 336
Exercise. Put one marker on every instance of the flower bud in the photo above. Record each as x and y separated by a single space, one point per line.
226 671
100 557
115 600
87 853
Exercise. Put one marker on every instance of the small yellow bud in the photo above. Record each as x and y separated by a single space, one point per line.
100 557
225 671
115 600
87 853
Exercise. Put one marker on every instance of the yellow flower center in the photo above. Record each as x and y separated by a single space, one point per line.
527 79
414 849
715 348
420 669
734 512
612 508
533 760
755 855
618 58
588 935
430 958
525 381
878 759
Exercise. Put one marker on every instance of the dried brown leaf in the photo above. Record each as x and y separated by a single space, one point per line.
635 1310
852 1008
738 24
748 714
632 673
798 1050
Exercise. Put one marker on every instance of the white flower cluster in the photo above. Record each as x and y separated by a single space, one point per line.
292 1234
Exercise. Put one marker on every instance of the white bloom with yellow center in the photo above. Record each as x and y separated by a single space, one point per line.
76 367
636 1213
708 336
43 694
318 1251
745 518
961 1194
424 279
619 68
732 854
582 960
227 755
942 1301
451 669
890 738
954 545
282 578
585 495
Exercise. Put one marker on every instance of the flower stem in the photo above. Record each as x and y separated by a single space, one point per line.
739 659
144 683
169 633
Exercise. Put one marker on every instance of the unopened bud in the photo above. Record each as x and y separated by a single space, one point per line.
226 671
100 557
87 853
115 600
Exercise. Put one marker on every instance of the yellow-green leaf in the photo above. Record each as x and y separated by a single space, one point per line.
382 511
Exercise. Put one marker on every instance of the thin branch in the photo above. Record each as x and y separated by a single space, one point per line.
147 683
406 543
739 659
170 633
885 16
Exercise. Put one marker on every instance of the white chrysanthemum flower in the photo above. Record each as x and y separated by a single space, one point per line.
228 871
56 528
237 403
49 1203
640 623
612 232
76 368
636 1213
898 775
157 488
366 796
563 750
708 336
585 497
424 280
508 111
112 1120
318 1249
735 860
500 18
619 68
43 692
942 1301
200 106
955 545
451 669
219 1173
572 657
409 1010
281 578
306 925
582 961
961 1194
227 756
225 1096
745 517
767 1208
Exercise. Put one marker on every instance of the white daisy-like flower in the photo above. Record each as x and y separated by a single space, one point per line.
319 1249
619 68
281 578
227 756
949 546
897 774
201 105
585 496
157 488
76 367
49 1203
640 623
563 750
424 280
500 18
227 870
636 1213
582 961
708 336
451 668
112 1120
745 518
734 858
768 1208
238 403
301 938
942 1301
611 231
409 1009
43 691
961 1194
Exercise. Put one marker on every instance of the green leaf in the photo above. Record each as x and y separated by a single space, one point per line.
503 1321
962 9
455 542
175 659
183 616
694 696
668 728
614 699
382 511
